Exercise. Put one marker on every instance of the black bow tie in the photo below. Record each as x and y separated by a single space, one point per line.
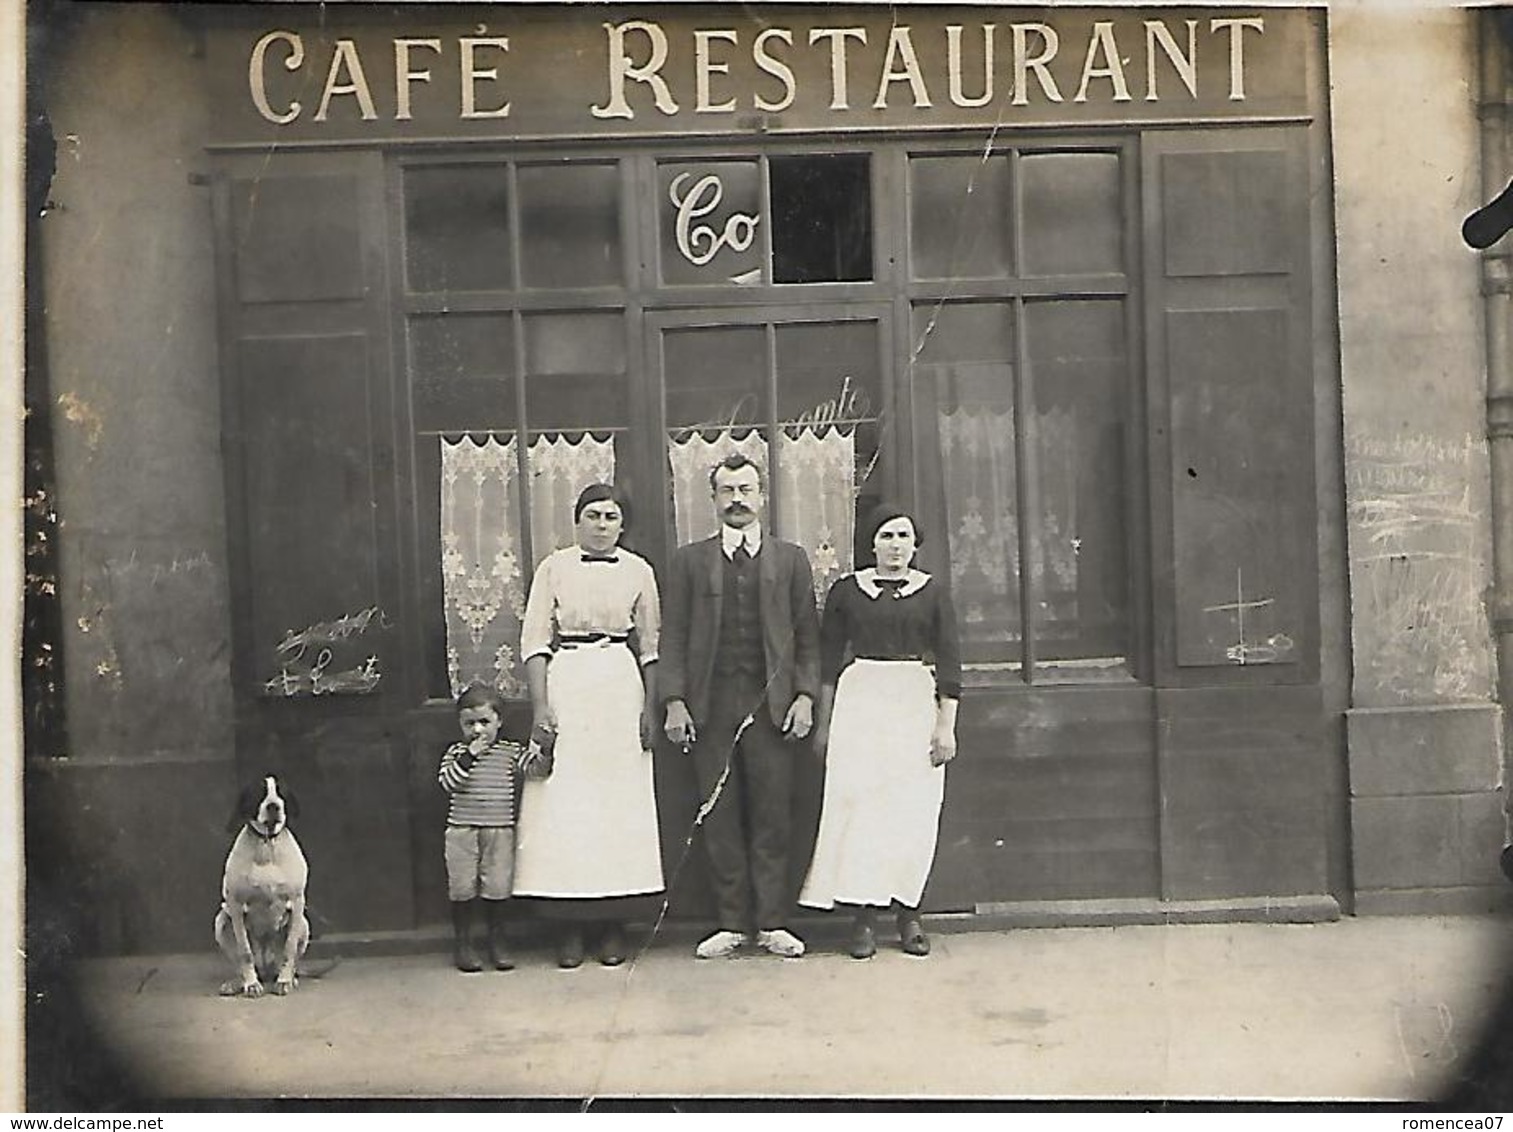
587 557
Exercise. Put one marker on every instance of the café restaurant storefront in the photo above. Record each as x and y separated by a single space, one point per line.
1053 278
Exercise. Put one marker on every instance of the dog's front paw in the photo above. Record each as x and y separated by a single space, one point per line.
285 984
233 987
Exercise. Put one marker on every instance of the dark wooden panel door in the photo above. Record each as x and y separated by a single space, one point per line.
319 674
1242 752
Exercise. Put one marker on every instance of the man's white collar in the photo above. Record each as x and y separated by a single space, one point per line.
732 537
914 581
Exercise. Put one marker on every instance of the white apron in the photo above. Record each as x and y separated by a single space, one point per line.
881 809
591 828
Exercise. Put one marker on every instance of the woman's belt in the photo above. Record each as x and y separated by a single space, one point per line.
590 640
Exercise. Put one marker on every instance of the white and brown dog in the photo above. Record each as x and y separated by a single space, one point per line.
261 927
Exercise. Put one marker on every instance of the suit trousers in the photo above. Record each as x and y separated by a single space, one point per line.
748 829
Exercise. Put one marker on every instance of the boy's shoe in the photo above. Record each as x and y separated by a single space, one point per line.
466 958
781 942
499 954
720 944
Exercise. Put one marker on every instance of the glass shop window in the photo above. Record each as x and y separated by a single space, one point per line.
515 407
783 219
1022 401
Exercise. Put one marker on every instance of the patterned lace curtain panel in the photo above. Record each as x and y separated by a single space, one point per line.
483 580
982 510
977 457
816 490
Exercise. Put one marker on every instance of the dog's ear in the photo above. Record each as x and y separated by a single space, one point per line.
291 803
246 803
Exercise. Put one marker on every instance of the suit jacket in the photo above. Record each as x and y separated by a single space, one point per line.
692 605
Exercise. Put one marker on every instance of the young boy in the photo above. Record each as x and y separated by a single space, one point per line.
480 775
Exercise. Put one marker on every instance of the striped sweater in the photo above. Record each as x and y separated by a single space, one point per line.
484 794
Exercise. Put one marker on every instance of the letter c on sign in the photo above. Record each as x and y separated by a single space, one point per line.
255 74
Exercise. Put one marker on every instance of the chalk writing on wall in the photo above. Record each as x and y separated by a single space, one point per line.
1419 567
306 658
1250 649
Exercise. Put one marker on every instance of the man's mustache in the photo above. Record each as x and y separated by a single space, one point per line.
736 507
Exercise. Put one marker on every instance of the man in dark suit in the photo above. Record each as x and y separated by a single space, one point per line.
738 673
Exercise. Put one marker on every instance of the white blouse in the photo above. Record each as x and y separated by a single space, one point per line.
574 597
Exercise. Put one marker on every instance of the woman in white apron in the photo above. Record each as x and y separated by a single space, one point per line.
887 727
587 843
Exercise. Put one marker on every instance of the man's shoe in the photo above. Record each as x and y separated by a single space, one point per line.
719 945
781 942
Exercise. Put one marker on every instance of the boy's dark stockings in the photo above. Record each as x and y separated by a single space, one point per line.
463 953
499 949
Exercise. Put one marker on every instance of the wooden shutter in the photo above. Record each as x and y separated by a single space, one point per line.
1241 751
307 430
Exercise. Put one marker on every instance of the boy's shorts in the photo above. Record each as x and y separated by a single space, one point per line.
480 861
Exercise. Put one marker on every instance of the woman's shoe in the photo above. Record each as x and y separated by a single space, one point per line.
863 940
612 946
911 936
570 949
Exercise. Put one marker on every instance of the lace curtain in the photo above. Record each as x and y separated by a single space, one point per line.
982 522
816 487
483 579
977 454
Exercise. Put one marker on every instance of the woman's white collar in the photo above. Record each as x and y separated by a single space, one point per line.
914 581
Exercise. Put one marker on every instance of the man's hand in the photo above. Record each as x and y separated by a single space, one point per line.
679 725
800 718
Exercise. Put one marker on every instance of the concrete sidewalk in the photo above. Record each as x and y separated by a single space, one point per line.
1378 1008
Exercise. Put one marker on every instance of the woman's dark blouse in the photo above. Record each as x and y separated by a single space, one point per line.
919 626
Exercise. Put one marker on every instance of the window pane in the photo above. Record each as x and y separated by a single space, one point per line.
569 225
961 220
1076 356
457 228
716 377
575 371
1071 213
575 409
715 380
821 218
460 370
710 229
964 370
829 397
